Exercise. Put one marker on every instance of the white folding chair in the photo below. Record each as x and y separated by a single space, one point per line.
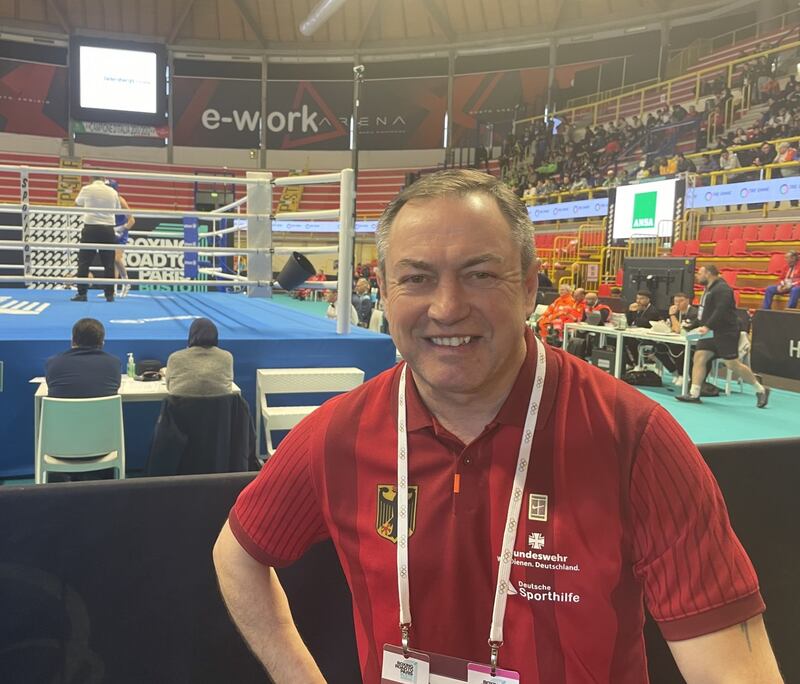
744 356
376 320
295 381
79 436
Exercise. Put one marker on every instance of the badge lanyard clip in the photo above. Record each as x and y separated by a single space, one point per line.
512 517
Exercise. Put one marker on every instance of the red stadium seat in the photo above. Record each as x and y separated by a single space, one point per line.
604 290
692 248
784 232
766 233
729 276
777 264
796 233
722 248
679 248
706 234
736 297
720 233
620 278
735 232
750 233
738 247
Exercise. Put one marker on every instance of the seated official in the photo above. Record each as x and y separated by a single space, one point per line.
85 370
202 369
639 315
542 277
332 297
562 310
789 284
592 304
682 318
641 312
362 301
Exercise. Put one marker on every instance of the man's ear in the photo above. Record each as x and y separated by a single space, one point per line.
382 290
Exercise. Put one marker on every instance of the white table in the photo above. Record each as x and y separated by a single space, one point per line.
639 334
129 390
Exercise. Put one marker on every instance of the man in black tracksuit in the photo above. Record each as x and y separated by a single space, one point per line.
717 313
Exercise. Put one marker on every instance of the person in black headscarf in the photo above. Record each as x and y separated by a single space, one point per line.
202 369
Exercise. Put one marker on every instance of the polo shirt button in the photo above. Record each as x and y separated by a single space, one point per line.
467 460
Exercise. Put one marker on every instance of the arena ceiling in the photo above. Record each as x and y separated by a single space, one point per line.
363 26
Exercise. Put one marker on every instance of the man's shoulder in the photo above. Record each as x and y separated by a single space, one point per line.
367 400
597 389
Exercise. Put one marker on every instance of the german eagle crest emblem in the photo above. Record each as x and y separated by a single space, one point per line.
386 519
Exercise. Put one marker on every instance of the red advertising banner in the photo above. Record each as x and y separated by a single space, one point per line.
33 98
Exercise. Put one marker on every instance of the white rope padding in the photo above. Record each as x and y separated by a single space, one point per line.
126 281
106 246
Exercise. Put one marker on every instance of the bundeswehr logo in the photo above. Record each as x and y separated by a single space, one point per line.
644 210
386 521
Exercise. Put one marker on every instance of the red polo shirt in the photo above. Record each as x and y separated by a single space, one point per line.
619 507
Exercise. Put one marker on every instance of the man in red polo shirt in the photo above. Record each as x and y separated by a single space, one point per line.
614 505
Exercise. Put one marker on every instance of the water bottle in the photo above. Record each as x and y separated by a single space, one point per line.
131 366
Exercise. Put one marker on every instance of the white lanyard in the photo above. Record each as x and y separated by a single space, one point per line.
512 518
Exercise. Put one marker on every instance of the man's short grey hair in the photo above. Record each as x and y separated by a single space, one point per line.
462 182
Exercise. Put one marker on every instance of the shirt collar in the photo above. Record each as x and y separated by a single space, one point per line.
515 408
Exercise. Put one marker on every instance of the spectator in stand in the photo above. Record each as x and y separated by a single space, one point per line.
728 161
642 172
684 165
786 154
667 167
678 114
611 181
789 283
766 155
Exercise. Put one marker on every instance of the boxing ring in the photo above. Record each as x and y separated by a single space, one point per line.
36 317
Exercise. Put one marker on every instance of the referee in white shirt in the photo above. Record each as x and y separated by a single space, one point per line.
97 227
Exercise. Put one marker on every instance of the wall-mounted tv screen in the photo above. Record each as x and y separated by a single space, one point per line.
643 210
118 81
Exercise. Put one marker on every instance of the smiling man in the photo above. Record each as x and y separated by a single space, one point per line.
489 482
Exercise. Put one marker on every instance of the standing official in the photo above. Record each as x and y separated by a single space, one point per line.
717 316
98 227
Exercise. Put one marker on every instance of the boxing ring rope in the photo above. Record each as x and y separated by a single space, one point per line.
259 216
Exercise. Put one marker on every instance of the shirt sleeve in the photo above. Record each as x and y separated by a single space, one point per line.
81 198
697 577
278 516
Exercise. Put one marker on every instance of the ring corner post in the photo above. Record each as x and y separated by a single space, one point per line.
259 233
347 214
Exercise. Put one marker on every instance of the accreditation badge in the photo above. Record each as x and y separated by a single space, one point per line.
441 669
413 668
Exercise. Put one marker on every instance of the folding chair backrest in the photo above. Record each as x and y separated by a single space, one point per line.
679 248
77 428
308 380
720 233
